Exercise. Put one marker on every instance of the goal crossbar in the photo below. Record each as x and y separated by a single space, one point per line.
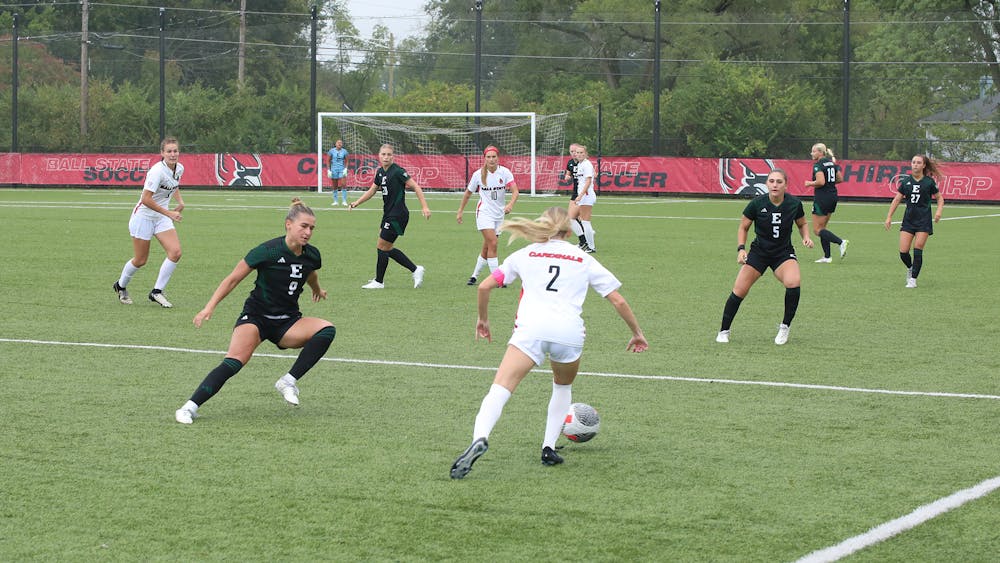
530 117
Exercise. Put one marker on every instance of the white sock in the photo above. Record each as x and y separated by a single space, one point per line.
490 411
575 225
127 272
166 270
190 406
493 263
480 262
588 233
562 397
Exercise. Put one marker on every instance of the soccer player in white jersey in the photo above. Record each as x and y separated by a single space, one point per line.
555 276
491 182
152 217
581 208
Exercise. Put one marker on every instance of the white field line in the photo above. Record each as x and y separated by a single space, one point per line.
891 528
491 369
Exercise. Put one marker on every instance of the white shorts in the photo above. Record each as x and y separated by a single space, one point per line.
337 175
485 222
537 349
145 228
588 199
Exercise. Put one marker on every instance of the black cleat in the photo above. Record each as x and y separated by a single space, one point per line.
472 281
156 296
550 457
122 294
463 465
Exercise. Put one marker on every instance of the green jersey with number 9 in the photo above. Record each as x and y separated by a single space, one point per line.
281 277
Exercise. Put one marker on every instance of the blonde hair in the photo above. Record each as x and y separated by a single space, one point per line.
553 222
826 152
298 208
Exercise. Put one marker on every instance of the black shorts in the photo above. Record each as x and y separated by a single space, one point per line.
761 262
393 228
269 328
824 203
914 227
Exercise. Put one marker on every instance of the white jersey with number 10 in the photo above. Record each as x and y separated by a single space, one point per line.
492 196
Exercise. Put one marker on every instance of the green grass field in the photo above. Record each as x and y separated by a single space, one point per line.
884 400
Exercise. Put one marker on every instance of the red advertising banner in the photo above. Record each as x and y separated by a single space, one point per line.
696 176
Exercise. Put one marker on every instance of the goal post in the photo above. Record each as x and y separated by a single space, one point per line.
441 149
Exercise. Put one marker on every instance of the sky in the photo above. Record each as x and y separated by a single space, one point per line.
404 18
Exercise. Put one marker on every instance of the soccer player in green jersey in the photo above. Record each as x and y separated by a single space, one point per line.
826 175
773 215
918 189
391 180
285 265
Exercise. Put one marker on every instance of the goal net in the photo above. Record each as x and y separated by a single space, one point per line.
442 150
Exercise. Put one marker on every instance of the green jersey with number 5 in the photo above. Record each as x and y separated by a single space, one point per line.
773 224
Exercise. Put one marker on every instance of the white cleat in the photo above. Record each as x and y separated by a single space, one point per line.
911 282
722 337
824 260
843 248
184 416
782 336
122 294
156 296
288 390
418 277
373 285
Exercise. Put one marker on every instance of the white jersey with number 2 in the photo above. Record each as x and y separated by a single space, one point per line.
555 277
492 196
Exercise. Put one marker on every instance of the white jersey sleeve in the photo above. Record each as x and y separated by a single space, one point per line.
163 182
555 277
584 170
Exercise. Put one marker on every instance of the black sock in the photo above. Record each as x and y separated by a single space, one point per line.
381 265
313 351
905 257
729 312
215 379
918 262
582 239
791 304
825 244
402 259
829 236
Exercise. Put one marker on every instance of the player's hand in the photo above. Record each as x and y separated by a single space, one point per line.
741 257
637 344
807 242
937 217
319 295
888 223
426 212
179 208
202 316
483 330
175 215
458 217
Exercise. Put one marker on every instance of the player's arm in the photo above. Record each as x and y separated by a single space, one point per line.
228 284
818 180
318 292
804 231
892 209
180 201
364 197
412 184
514 193
741 239
461 206
940 206
483 306
638 341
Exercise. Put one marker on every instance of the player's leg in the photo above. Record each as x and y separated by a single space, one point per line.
245 339
171 244
314 337
586 210
819 221
919 241
791 277
565 361
575 224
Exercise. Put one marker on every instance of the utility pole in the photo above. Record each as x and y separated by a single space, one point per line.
479 52
656 81
241 72
84 68
846 109
392 64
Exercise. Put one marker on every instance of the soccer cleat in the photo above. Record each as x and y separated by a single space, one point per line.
550 457
288 390
782 335
911 282
472 281
463 465
843 248
418 277
156 296
184 416
824 260
122 294
722 337
590 250
909 276
373 285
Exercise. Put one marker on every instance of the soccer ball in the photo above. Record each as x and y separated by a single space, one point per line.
582 423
